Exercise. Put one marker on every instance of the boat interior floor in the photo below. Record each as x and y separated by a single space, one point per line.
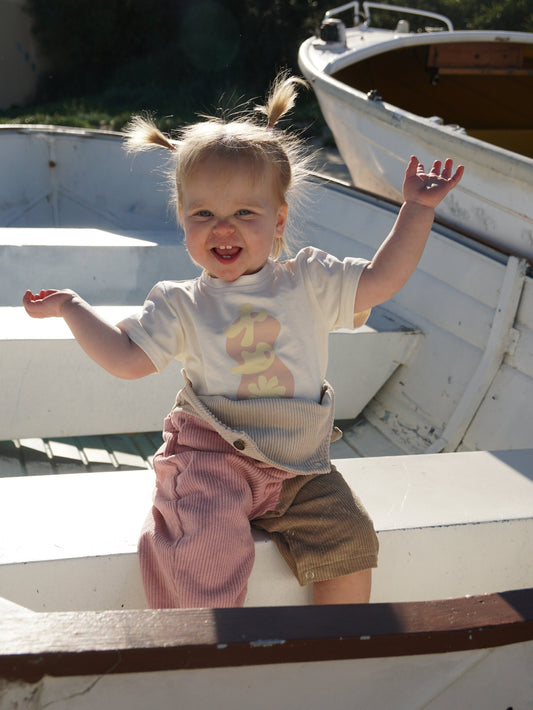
112 452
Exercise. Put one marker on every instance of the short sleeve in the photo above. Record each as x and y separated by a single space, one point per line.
157 329
333 284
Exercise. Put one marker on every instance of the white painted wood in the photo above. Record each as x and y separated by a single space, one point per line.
51 388
78 397
453 298
498 343
88 530
104 266
7 607
56 179
448 524
368 440
417 402
491 680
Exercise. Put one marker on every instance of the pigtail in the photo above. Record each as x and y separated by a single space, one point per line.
281 98
143 134
236 138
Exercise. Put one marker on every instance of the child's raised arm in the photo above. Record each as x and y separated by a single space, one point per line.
106 344
398 256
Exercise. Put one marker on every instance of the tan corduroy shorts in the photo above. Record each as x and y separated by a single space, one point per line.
321 529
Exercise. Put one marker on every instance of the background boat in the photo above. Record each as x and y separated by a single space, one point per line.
446 365
388 94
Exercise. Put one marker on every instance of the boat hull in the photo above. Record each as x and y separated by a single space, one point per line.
70 635
453 346
494 200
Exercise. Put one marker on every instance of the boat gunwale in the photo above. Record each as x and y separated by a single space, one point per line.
30 128
62 644
400 41
315 176
441 225
471 240
381 110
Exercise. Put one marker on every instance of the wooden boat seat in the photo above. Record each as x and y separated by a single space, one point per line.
480 58
449 525
104 266
50 388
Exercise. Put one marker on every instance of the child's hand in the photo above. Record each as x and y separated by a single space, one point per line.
46 304
429 189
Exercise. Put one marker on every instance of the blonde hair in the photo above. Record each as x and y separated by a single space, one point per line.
242 138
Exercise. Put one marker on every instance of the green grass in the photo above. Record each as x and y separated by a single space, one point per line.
79 113
112 112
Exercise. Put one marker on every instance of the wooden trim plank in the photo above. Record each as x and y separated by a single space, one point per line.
88 643
471 56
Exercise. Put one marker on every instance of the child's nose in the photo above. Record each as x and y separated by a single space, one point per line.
223 226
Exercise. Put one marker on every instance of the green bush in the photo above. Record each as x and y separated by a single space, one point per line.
111 58
146 50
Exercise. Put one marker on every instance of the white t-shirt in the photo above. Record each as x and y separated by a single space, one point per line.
264 335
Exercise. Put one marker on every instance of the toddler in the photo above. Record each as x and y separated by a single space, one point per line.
247 442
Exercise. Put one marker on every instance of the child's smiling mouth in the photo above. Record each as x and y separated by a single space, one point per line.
226 253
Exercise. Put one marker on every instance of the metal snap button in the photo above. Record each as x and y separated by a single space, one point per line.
309 575
239 444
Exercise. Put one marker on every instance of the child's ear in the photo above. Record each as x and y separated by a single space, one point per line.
281 220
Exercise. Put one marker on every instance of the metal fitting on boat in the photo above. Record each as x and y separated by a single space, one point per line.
374 95
333 31
403 27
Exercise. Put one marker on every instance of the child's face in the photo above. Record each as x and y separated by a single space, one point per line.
231 217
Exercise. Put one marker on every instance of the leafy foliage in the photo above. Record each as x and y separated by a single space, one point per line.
111 58
140 53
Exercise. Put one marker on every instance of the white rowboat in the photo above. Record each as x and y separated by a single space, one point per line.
388 94
447 366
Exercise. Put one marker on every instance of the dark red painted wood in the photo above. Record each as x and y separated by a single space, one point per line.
87 643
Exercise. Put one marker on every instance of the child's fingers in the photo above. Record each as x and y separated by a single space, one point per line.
43 293
458 173
413 166
435 168
448 167
448 174
30 299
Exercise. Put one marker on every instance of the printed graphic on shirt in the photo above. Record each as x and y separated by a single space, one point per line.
250 342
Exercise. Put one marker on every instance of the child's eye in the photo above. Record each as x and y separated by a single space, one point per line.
243 212
203 213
